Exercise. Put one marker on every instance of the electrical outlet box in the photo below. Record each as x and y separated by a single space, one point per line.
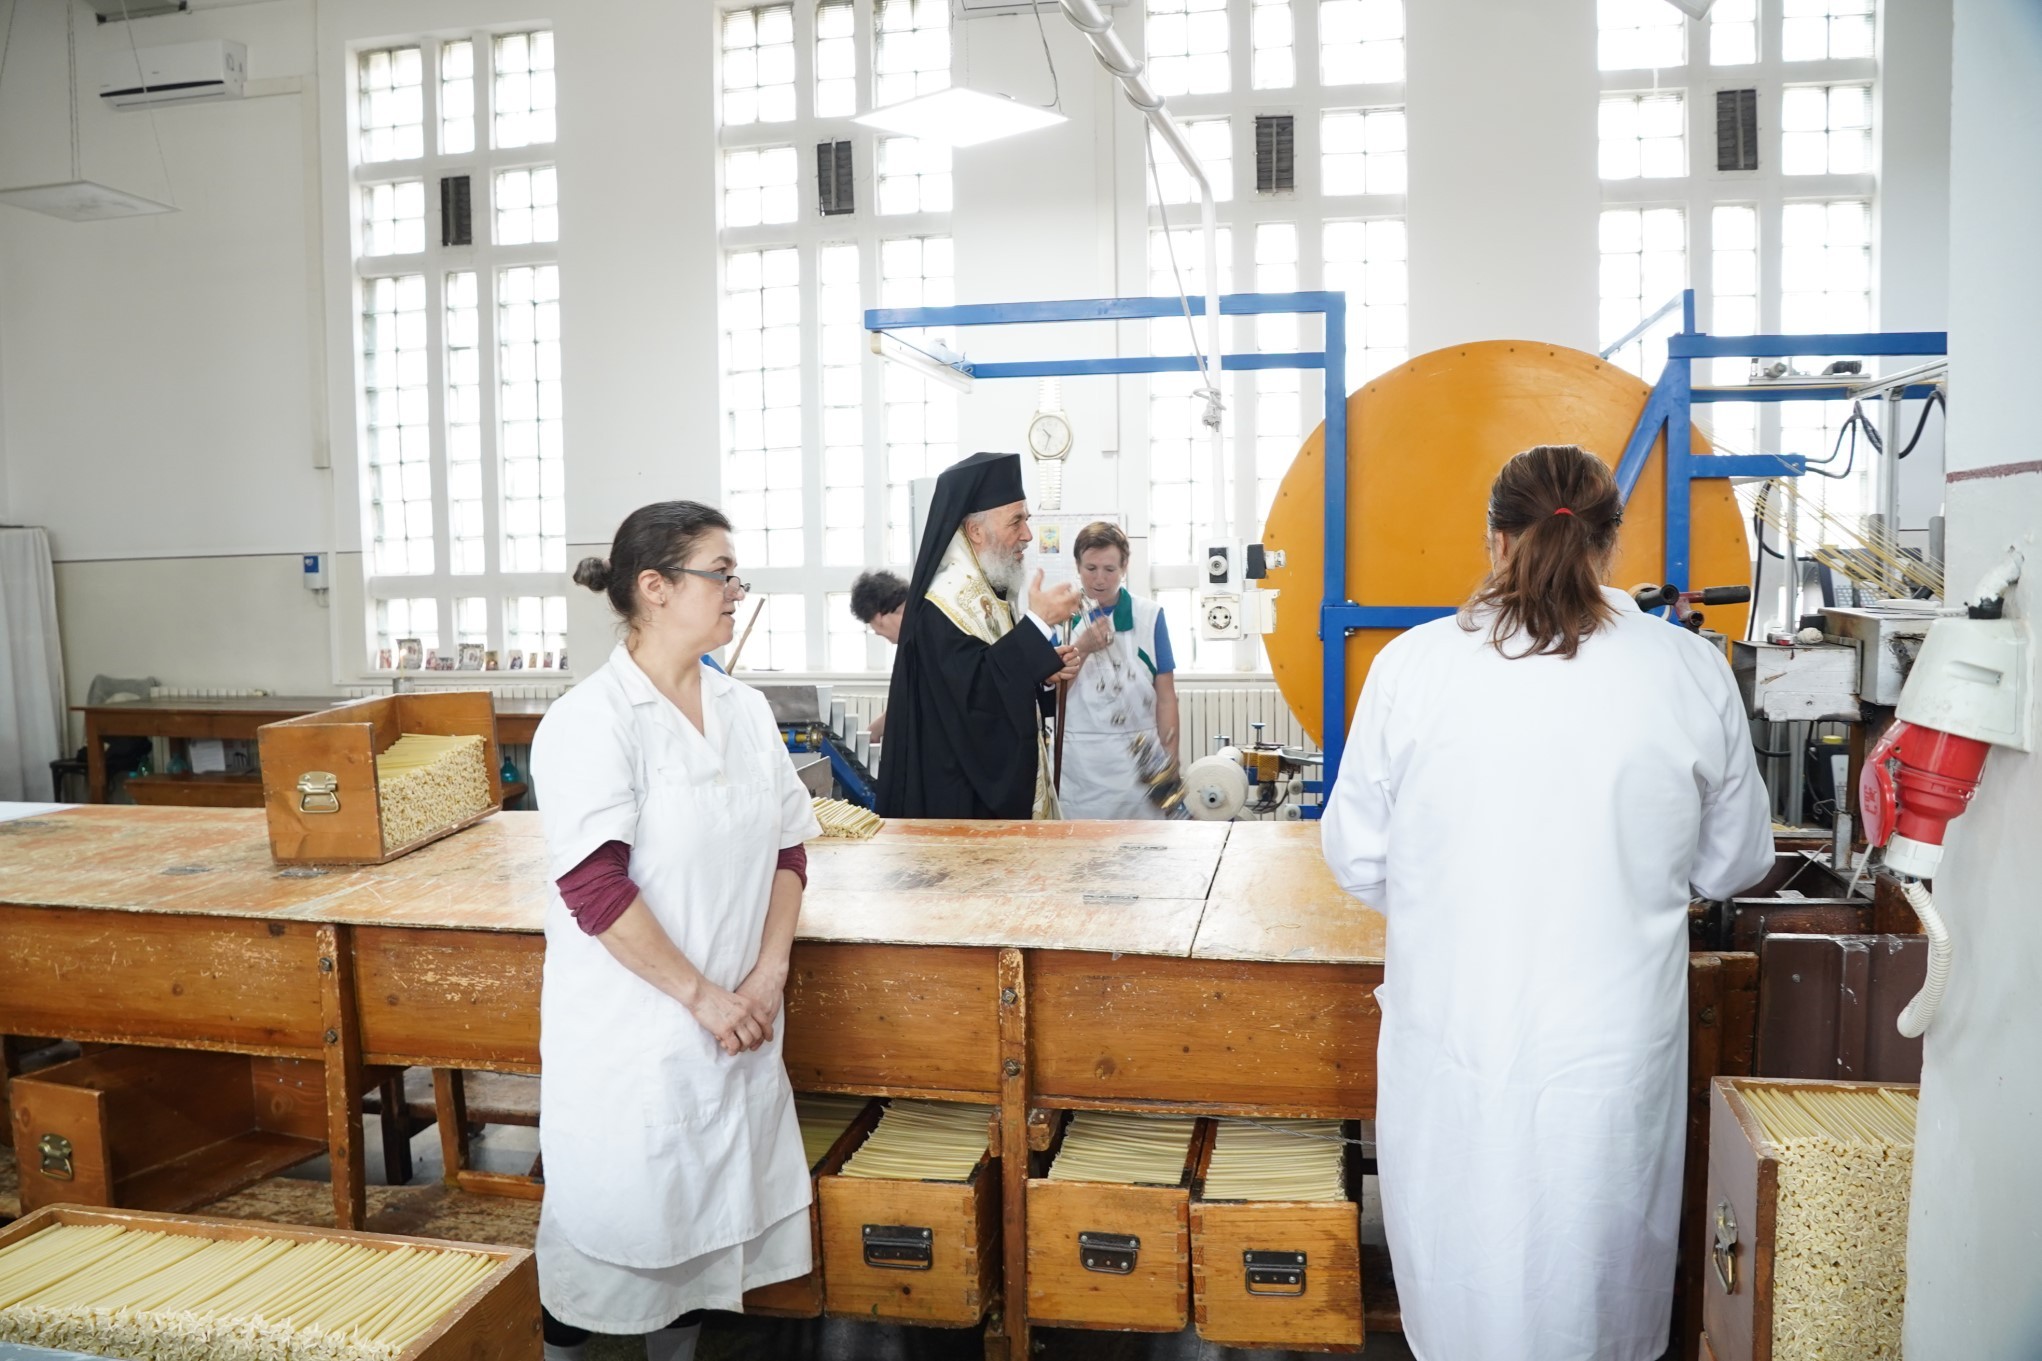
314 571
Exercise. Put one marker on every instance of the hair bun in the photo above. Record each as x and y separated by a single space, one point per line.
593 573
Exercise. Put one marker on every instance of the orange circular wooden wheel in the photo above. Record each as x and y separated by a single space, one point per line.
1424 441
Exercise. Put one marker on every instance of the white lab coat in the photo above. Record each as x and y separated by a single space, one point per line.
1531 830
1112 699
674 1172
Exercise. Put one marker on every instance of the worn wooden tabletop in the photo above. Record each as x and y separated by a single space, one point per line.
1249 891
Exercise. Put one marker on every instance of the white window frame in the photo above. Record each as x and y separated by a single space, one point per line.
815 580
1766 188
434 263
1307 208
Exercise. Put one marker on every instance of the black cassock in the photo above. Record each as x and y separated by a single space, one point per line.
962 716
962 724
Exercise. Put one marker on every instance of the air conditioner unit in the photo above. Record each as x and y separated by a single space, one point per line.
179 73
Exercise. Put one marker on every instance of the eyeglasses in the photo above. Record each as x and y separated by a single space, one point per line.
730 584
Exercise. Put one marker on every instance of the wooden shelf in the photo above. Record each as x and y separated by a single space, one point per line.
217 1170
184 790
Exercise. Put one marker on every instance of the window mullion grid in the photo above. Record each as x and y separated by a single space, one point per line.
812 555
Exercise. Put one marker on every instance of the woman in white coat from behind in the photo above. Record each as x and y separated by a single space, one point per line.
1530 794
674 824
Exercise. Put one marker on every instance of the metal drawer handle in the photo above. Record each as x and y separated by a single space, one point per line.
56 1156
1274 1273
1724 1254
899 1247
1113 1254
318 792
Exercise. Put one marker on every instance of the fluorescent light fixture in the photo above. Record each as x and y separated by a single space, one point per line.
81 201
897 351
959 117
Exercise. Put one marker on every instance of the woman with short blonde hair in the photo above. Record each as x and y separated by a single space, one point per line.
1121 710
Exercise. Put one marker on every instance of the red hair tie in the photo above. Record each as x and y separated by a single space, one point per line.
1563 511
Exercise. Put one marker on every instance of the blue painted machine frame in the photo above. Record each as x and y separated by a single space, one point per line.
1669 410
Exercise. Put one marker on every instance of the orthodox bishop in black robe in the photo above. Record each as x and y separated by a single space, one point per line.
964 731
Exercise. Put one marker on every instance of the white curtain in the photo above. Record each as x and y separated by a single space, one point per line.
31 666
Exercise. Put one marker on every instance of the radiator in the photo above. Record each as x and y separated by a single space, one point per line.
554 691
203 692
1207 713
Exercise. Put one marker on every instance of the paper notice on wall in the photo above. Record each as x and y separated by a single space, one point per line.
1056 536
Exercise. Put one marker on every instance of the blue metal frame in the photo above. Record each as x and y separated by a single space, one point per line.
1668 410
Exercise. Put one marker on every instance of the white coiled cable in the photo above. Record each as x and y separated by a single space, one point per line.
1922 1010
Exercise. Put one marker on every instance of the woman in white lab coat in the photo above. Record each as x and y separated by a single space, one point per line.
675 1179
1125 689
1529 794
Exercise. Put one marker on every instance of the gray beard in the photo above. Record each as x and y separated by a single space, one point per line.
1002 571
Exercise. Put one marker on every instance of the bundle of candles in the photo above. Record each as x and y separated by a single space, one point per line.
1276 1160
823 1120
1846 1162
846 820
116 1291
427 784
924 1141
1109 1146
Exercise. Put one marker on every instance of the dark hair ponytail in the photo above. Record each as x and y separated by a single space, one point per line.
1560 505
655 538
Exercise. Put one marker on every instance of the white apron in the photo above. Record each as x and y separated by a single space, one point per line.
1113 698
1531 830
666 1159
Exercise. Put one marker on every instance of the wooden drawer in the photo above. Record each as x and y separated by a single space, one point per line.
1750 1229
1277 1273
950 1229
1082 1273
162 1129
496 1318
802 1297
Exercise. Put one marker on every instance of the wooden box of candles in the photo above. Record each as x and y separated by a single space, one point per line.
1804 1234
1276 1236
128 1283
365 782
911 1220
831 1127
1109 1230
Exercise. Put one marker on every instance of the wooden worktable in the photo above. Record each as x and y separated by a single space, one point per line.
1194 967
236 719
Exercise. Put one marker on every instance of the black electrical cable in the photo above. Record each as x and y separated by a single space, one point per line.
1056 96
1935 399
1850 427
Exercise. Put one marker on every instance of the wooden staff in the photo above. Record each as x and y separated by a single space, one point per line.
1063 689
750 624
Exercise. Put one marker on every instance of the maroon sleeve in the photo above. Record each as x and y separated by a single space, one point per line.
599 889
794 858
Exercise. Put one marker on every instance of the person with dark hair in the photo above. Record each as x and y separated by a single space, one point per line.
1531 794
1121 711
879 599
674 825
977 652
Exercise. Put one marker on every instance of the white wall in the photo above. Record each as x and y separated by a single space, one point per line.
1974 1253
1504 195
1913 127
158 401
